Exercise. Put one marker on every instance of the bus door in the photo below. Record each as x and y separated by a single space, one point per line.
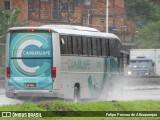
30 60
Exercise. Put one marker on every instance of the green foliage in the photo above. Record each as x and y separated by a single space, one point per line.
149 37
3 24
7 21
59 105
142 11
146 15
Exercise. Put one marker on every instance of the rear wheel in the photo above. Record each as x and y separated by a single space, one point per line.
76 93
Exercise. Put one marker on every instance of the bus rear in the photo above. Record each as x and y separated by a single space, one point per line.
29 63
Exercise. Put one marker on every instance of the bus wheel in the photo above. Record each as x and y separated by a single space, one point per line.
76 93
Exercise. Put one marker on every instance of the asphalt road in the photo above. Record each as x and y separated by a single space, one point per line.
8 101
150 94
134 89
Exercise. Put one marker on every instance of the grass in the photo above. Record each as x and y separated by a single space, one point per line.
59 105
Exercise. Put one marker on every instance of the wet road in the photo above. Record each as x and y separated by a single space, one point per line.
153 94
142 89
134 94
8 101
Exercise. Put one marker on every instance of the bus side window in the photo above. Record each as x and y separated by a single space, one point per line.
85 49
80 46
75 45
99 48
116 48
70 45
63 45
118 54
112 47
104 47
89 40
94 46
108 47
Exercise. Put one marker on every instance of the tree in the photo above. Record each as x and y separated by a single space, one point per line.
7 21
149 37
142 11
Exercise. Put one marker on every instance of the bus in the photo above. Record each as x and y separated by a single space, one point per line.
61 61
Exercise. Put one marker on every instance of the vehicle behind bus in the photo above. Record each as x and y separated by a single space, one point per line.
141 66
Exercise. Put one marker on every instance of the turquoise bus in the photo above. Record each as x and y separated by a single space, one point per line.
61 61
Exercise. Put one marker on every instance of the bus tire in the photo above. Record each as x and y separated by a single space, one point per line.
76 93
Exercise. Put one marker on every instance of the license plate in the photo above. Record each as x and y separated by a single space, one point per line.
30 84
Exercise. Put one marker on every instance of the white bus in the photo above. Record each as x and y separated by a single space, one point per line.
62 61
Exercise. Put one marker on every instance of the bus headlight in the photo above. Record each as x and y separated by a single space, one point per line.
129 73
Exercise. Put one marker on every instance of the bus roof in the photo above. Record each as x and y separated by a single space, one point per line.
72 27
80 30
70 30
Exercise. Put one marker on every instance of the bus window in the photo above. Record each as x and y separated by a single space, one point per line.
94 46
80 46
104 47
89 46
70 45
107 47
64 47
75 45
84 42
114 48
98 46
111 47
118 51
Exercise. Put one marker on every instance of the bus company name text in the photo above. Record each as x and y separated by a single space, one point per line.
40 53
79 64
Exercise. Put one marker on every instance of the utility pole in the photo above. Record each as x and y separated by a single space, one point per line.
106 16
88 17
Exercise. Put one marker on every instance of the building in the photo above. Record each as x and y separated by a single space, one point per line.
76 12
